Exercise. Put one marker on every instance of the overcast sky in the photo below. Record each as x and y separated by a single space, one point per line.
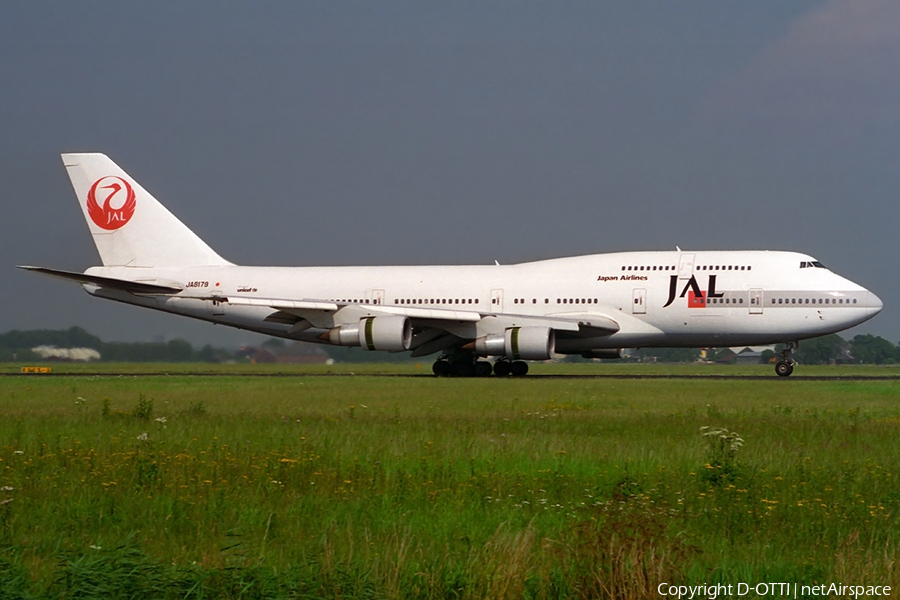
308 133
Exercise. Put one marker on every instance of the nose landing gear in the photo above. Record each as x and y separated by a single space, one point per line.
785 366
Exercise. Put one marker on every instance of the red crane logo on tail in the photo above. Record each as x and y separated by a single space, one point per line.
117 205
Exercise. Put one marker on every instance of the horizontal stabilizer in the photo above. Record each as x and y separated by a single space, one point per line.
134 287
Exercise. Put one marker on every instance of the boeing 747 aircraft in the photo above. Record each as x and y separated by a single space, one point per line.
588 305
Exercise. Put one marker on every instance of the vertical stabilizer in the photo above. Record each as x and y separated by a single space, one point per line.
130 227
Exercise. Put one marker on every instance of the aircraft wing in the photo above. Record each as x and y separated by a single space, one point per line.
322 313
461 323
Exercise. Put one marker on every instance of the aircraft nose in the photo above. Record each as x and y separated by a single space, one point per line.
874 304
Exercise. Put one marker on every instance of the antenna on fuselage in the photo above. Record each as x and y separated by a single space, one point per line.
677 248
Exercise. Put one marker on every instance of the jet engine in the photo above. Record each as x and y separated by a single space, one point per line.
393 334
519 343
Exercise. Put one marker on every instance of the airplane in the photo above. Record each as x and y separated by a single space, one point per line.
593 305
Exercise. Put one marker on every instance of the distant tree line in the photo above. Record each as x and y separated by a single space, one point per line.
17 346
861 349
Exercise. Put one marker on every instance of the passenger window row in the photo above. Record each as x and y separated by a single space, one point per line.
353 301
436 301
699 268
720 301
560 301
813 301
648 268
724 268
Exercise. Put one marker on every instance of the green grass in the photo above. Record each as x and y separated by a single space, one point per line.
424 368
421 487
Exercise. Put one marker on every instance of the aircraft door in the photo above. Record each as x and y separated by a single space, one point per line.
756 302
686 266
639 301
497 300
377 296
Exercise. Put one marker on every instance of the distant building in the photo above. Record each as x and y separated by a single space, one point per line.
66 354
844 357
746 355
301 353
298 353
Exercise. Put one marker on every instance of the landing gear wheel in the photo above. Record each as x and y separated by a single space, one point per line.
462 370
502 368
784 368
519 368
483 368
441 368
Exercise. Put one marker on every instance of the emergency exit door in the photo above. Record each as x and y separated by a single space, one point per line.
639 301
756 302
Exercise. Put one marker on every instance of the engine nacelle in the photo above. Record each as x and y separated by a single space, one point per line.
344 335
392 334
519 343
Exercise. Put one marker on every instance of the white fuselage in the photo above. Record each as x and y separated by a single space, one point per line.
662 299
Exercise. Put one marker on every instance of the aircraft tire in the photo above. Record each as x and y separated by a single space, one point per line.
441 368
483 369
502 368
462 370
519 368
783 368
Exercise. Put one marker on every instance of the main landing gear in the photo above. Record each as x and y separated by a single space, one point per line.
466 364
785 366
516 368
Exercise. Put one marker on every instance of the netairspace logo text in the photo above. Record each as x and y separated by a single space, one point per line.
771 590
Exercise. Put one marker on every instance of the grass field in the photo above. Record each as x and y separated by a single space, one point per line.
176 486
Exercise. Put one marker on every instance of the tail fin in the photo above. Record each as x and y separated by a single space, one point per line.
130 227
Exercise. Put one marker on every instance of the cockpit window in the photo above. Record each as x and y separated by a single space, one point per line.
811 264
